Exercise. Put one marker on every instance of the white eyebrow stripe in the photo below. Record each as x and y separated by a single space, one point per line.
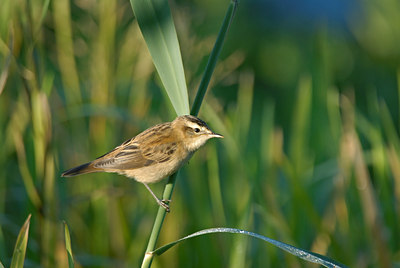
193 125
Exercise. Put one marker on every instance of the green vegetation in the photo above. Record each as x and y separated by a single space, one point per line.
18 257
310 158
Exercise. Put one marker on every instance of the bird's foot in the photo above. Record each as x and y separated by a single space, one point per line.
165 204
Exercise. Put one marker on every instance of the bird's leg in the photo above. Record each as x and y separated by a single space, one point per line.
162 202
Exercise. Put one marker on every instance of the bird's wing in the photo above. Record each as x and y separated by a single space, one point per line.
146 149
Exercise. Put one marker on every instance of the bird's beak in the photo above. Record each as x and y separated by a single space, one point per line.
215 135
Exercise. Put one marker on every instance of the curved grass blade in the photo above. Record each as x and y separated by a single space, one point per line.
18 257
158 29
212 60
68 246
301 253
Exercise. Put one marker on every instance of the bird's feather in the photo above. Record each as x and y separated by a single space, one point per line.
148 148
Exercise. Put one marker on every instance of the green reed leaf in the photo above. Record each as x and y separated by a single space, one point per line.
158 29
68 246
18 257
298 252
212 60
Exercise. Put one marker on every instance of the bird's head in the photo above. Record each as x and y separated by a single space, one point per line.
194 131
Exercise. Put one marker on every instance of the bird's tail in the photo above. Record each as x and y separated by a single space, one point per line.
82 169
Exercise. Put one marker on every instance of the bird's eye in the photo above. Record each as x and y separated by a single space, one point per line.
197 130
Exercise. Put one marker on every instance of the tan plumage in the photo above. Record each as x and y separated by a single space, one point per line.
154 154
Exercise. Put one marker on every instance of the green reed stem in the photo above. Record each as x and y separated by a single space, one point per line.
158 222
212 61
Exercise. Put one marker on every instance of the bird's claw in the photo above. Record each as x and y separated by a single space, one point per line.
165 204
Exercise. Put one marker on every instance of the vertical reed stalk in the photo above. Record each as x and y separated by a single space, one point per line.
148 258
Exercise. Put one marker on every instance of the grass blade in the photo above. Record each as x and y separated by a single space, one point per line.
301 253
212 61
43 14
156 24
68 246
6 65
20 246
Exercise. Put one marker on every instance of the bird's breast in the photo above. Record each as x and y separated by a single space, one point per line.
158 171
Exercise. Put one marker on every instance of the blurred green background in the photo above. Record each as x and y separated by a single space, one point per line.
306 94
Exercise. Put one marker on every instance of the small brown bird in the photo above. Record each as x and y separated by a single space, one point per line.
154 154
